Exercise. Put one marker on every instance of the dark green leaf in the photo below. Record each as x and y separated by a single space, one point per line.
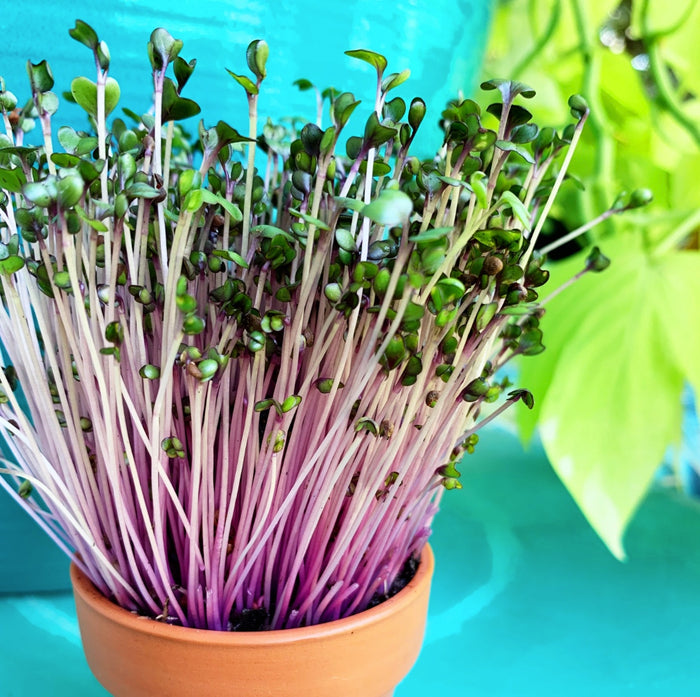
183 71
524 395
596 260
508 146
311 136
62 159
416 113
228 135
176 108
395 109
343 106
270 231
509 89
40 76
143 190
12 180
525 133
353 147
232 256
303 84
377 134
578 106
83 33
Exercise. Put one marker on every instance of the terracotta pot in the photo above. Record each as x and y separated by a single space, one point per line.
365 655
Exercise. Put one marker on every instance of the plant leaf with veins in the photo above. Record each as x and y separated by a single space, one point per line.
609 397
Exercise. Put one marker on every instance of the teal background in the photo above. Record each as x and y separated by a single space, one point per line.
440 41
526 601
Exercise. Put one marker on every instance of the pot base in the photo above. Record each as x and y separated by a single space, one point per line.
365 655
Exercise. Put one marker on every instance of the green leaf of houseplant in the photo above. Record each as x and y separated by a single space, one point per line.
608 392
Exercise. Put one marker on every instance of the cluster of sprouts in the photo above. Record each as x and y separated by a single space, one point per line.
244 391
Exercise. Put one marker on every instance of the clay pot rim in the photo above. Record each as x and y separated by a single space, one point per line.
118 615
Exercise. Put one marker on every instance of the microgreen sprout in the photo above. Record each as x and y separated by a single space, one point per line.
247 389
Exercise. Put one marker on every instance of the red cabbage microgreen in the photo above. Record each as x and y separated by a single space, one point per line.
247 390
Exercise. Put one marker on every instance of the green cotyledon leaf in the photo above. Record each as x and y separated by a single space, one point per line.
608 387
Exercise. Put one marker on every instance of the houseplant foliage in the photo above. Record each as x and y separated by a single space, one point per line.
247 389
621 350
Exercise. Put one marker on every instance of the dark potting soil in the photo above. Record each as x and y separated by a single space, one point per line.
257 620
400 582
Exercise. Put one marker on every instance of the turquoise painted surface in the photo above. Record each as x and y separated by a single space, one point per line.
526 601
441 42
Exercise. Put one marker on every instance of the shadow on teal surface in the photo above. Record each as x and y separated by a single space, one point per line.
29 561
526 600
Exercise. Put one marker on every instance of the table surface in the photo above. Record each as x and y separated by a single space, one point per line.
526 600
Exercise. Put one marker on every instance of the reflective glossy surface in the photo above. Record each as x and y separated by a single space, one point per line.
440 41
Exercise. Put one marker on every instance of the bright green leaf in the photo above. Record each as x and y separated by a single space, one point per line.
244 82
518 208
84 34
431 234
609 391
84 92
374 59
393 207
309 219
395 79
256 57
